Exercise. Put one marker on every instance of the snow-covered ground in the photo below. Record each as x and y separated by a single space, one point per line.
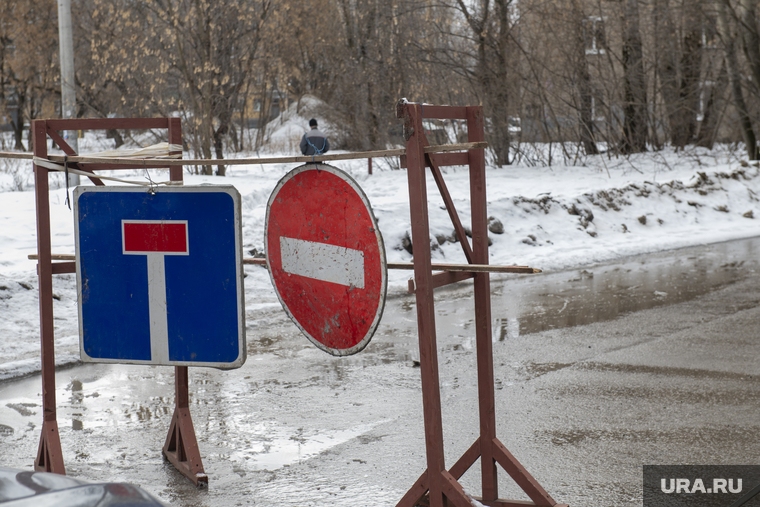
552 218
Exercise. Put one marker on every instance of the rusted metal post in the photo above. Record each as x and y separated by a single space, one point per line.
369 166
49 454
431 393
175 137
482 289
181 447
441 485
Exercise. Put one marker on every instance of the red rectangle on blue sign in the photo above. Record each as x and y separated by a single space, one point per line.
155 236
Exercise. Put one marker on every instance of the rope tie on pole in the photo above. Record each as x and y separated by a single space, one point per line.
66 176
152 188
155 152
58 167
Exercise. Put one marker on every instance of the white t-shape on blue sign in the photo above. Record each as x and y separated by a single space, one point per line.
155 239
160 276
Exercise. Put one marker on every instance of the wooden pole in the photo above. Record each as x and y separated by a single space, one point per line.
181 446
465 268
431 392
132 162
482 289
49 454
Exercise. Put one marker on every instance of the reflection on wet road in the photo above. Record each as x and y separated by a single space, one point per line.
598 371
527 304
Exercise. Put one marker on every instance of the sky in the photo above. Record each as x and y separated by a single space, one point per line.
580 211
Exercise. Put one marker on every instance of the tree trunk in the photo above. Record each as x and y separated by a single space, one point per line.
750 37
18 125
114 134
666 64
680 92
221 170
688 97
585 91
499 89
207 129
635 125
709 127
734 79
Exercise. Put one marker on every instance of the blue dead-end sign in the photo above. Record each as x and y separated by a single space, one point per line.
159 275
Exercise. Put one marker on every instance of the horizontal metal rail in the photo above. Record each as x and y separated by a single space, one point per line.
469 268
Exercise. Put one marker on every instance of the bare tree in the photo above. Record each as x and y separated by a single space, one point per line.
679 77
635 124
191 56
734 79
29 62
489 24
582 78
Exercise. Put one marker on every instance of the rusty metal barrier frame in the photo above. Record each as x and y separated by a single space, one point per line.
439 486
181 447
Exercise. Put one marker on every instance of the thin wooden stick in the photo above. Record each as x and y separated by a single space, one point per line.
472 268
251 161
55 257
10 154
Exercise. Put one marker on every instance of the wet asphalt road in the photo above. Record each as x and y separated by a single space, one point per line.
598 372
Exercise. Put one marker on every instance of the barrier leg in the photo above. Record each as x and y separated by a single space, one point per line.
181 447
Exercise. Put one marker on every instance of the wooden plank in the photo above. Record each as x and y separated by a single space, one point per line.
463 268
175 138
466 461
49 454
444 112
60 268
449 203
136 164
509 503
445 148
234 161
520 475
454 491
61 142
471 268
415 493
444 278
109 123
431 390
55 257
482 293
69 151
10 154
133 163
443 159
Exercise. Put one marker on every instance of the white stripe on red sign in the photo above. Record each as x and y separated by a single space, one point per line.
328 263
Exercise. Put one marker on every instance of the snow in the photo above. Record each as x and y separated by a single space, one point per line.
554 218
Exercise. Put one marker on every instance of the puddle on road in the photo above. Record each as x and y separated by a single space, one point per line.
524 305
270 446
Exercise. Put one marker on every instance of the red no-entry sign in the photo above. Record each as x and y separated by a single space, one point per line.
326 257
